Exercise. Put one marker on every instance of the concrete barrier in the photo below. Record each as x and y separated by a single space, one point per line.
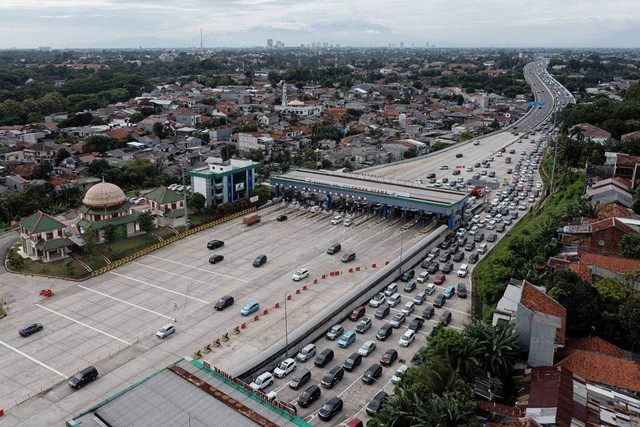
317 326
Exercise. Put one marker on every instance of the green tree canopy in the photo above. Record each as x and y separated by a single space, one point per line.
629 245
147 221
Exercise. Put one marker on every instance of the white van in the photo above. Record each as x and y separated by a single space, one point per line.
336 220
394 300
391 289
307 352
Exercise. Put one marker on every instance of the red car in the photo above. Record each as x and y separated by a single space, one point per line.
355 423
357 313
439 279
389 357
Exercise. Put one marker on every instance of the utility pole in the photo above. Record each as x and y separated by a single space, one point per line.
286 328
184 199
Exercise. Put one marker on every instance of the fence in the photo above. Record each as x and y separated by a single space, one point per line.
165 242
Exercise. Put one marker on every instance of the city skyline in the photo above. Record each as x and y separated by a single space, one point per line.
242 23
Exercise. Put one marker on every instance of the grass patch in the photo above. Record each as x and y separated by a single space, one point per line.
67 269
526 245
164 232
126 247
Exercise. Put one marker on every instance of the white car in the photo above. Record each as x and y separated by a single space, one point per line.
407 338
348 222
461 232
463 270
444 167
336 220
473 230
367 348
481 223
300 274
285 367
422 277
491 225
166 330
377 300
263 381
475 219
431 288
522 207
408 308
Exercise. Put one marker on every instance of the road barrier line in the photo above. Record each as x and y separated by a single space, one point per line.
127 302
160 287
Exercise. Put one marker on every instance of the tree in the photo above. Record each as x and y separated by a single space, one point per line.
629 316
158 129
42 171
141 172
227 151
629 245
197 201
496 347
579 298
108 233
89 237
62 154
147 221
410 153
14 260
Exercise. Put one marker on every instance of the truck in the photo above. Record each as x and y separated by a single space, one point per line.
251 219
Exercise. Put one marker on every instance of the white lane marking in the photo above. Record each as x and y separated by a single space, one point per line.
160 287
33 359
126 302
84 324
180 275
201 269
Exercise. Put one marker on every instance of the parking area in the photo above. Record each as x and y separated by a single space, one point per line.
94 320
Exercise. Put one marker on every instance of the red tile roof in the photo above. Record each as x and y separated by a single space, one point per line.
612 371
591 131
118 133
635 134
624 160
583 271
538 301
497 408
613 210
611 222
609 262
590 345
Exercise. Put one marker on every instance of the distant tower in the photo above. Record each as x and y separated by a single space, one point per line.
201 39
269 43
285 101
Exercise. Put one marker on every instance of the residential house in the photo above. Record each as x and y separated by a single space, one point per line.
589 131
16 183
254 140
42 238
537 319
608 191
600 236
42 151
188 118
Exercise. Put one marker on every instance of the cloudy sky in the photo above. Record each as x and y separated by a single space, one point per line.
447 23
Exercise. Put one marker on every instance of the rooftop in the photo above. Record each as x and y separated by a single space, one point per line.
537 301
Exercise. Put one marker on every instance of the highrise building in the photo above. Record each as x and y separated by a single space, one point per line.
269 43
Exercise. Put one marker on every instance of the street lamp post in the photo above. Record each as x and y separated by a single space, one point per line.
404 222
286 327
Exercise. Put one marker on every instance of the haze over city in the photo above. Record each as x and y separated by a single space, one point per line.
239 23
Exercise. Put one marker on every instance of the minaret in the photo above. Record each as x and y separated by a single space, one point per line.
285 101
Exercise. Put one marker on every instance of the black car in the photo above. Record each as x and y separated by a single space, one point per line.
513 215
445 244
455 247
428 313
372 373
224 302
458 257
445 318
416 324
456 172
300 378
462 241
376 404
433 268
469 246
214 259
445 256
439 301
330 409
260 261
281 218
323 358
30 329
384 332
448 267
215 244
332 377
309 396
352 362
459 155
462 290
492 237
500 228
479 237
431 175
473 258
418 358
389 357
383 312
407 275
334 249
410 286
83 377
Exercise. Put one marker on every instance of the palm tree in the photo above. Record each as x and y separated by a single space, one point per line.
498 351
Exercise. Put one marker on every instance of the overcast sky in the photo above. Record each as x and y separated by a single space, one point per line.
447 23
